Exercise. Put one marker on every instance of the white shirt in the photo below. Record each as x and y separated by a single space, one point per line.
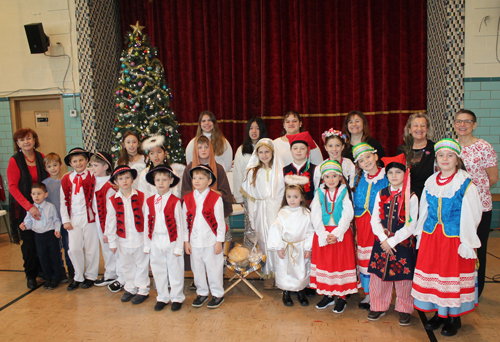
225 159
133 239
160 231
240 172
201 233
52 221
403 233
78 206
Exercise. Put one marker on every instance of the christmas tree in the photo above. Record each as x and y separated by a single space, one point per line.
143 97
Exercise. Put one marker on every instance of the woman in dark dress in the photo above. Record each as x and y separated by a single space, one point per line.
25 168
357 131
419 150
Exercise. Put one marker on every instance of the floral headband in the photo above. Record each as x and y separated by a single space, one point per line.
331 132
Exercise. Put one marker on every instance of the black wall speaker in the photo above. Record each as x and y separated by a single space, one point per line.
37 39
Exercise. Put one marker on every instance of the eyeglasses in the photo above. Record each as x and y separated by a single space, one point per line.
467 122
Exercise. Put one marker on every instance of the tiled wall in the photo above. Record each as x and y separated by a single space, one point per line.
482 96
72 126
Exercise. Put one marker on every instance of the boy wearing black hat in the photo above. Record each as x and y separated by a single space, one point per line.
125 232
164 237
102 168
78 218
204 235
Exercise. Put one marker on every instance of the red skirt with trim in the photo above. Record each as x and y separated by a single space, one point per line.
365 240
333 267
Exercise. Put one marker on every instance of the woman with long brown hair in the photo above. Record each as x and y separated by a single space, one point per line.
357 131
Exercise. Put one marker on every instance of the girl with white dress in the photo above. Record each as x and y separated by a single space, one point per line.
132 154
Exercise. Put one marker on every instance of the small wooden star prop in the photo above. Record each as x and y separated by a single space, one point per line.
137 28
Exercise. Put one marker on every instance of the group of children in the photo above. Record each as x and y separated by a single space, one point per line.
325 229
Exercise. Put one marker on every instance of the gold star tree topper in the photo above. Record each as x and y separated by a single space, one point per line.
137 28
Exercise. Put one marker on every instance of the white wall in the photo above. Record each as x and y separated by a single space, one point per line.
480 57
19 69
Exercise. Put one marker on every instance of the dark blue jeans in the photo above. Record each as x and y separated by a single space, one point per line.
47 247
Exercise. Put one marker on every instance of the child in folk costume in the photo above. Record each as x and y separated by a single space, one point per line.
131 154
157 154
367 183
291 236
204 236
333 261
102 168
263 187
300 147
393 257
125 231
78 218
450 212
164 238
334 142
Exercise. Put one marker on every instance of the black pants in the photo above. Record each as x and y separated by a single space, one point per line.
49 254
28 248
483 232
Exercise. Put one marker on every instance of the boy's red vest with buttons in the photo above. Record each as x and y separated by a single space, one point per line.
169 213
88 185
137 203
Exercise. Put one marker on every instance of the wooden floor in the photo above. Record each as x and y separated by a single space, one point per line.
98 314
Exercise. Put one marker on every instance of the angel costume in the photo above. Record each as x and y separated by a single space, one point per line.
445 273
293 233
264 199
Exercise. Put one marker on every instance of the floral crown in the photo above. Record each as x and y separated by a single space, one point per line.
331 132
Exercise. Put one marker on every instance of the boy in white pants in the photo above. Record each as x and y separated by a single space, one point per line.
125 231
164 238
204 235
102 168
78 218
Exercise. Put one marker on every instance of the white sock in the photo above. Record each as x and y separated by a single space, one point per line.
366 299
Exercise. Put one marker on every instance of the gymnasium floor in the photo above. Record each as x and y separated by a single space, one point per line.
98 314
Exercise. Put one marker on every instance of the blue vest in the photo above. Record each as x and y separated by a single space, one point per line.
446 211
364 196
337 207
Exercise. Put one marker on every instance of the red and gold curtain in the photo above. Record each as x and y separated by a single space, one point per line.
260 58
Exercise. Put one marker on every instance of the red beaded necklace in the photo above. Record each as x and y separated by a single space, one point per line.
327 193
443 181
375 175
30 161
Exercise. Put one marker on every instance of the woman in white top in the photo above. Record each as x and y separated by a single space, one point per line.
207 126
292 124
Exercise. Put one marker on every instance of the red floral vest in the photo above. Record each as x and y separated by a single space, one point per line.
88 185
100 198
208 210
137 203
169 212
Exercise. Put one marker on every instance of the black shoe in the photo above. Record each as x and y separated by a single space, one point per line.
103 282
40 275
303 298
115 286
215 302
199 301
287 299
451 326
340 305
127 297
310 292
32 283
54 283
46 284
404 319
176 306
434 323
375 315
74 285
138 299
160 306
71 273
87 284
325 302
364 306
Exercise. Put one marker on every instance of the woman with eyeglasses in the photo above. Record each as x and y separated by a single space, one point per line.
480 161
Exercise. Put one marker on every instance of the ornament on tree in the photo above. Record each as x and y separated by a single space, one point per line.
143 97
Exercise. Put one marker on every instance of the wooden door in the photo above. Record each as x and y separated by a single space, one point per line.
45 115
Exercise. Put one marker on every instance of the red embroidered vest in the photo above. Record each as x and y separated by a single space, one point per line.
169 213
88 185
100 198
137 203
208 210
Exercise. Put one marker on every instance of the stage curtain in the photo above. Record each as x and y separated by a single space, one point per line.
260 58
